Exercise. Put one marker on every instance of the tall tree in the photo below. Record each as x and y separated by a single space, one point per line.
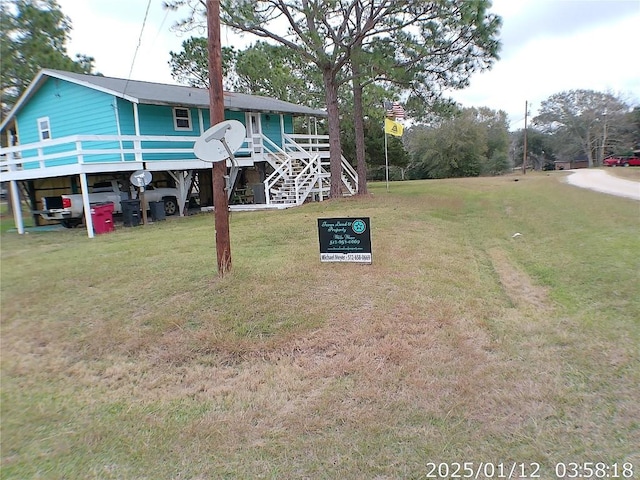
313 30
590 119
326 33
33 35
497 126
467 144
260 69
540 147
276 71
321 32
421 48
191 65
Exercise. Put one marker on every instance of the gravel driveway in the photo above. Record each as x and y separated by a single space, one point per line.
601 181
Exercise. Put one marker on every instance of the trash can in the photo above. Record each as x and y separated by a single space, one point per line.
130 212
157 211
259 197
102 217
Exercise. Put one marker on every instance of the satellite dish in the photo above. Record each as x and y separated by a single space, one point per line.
140 178
220 141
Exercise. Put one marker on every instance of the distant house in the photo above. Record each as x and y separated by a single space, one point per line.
69 130
579 161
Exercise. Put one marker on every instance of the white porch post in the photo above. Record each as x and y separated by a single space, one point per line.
183 183
137 145
15 202
201 121
88 221
118 129
267 193
282 131
318 159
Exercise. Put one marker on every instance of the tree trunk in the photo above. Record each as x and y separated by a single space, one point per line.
604 140
588 149
358 122
335 147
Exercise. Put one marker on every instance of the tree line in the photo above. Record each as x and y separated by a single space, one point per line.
449 141
33 35
584 124
349 56
352 51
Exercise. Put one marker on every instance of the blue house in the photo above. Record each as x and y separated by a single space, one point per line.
70 130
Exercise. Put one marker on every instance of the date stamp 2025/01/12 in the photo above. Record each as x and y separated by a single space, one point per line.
526 470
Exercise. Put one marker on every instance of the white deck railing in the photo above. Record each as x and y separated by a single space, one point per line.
319 145
102 149
311 151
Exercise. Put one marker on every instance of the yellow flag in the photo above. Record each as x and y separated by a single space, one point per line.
393 128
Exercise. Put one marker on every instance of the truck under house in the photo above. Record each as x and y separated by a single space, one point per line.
69 131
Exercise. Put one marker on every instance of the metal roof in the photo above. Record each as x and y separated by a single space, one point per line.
163 94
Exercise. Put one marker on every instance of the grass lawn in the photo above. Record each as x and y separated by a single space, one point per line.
126 357
6 218
629 173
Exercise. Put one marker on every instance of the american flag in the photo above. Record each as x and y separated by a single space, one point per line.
394 110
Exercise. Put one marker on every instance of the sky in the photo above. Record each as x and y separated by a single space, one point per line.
548 46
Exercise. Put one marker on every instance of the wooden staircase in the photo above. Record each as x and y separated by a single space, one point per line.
300 174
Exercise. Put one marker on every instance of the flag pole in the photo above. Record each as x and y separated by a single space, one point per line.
386 159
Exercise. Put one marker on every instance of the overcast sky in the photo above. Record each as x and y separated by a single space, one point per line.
548 46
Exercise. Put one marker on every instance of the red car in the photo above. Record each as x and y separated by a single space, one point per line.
621 162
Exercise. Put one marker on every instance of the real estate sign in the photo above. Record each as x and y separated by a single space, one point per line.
345 239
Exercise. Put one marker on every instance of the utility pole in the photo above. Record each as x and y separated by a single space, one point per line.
216 108
604 136
524 157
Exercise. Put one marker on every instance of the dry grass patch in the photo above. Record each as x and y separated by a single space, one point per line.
458 343
518 286
629 173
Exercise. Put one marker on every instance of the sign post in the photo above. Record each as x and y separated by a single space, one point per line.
345 240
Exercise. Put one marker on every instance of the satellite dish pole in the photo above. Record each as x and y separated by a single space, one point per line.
216 108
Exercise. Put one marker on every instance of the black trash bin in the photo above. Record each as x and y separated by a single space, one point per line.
259 197
157 211
130 212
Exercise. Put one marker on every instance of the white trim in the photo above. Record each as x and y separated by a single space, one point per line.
118 129
136 119
37 81
253 120
176 119
86 204
282 130
88 84
201 121
17 207
41 130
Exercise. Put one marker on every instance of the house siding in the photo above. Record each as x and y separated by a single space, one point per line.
158 120
126 117
72 110
76 110
127 122
288 124
270 124
240 117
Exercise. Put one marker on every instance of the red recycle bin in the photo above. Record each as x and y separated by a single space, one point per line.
102 217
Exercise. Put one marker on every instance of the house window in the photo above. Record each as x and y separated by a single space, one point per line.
182 119
44 128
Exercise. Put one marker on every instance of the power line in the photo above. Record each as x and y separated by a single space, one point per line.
166 15
133 61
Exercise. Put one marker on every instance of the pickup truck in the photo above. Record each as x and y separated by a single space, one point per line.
621 162
69 209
